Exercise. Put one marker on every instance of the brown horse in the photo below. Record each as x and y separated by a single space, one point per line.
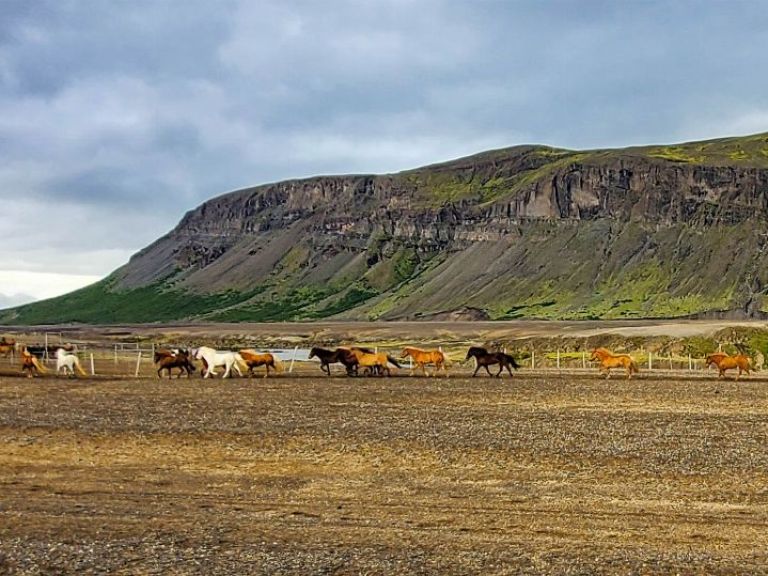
483 358
30 364
328 357
7 347
424 357
610 360
254 359
169 359
725 362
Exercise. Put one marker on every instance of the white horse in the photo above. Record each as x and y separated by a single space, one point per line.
230 361
69 362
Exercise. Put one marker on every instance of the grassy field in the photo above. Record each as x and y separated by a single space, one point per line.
542 473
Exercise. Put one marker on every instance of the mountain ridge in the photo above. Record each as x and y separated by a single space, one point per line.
525 231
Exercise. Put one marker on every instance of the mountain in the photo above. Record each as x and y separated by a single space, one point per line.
527 231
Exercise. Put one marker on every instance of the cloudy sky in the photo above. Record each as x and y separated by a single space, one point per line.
118 116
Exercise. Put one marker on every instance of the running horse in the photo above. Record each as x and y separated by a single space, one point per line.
485 359
725 362
7 347
30 364
376 362
175 358
341 355
423 357
610 360
254 359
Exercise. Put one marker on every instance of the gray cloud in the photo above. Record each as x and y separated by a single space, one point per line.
107 137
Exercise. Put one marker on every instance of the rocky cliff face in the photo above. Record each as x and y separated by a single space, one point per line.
525 231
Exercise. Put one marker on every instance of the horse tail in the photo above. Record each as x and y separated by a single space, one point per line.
393 361
512 361
36 363
446 361
79 368
277 364
633 367
241 363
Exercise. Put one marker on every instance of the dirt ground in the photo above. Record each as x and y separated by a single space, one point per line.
558 474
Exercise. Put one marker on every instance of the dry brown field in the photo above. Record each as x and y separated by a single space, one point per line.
302 474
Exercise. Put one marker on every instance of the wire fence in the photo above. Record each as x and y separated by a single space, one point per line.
137 358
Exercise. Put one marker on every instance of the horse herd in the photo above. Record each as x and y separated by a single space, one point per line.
352 358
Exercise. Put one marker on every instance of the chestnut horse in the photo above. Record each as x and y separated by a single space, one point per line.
609 360
725 362
424 357
169 359
30 364
253 360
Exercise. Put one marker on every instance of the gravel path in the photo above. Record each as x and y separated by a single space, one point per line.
544 474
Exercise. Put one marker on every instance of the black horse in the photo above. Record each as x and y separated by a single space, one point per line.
341 355
485 359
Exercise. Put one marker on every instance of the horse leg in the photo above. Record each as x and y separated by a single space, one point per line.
501 369
267 372
488 370
607 373
509 369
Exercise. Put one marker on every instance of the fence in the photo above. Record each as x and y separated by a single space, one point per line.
137 358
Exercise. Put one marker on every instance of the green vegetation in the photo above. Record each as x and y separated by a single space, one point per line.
101 303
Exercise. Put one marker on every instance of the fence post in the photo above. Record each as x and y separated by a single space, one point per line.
650 362
45 352
138 364
296 349
93 372
533 359
584 360
558 359
690 364
115 354
670 361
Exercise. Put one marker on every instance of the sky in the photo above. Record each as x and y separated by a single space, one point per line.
117 117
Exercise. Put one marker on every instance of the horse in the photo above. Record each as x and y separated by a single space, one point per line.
376 362
169 359
609 360
424 357
69 362
30 364
253 360
7 347
725 362
341 355
485 359
212 358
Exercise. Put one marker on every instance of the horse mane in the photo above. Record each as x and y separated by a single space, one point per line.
414 348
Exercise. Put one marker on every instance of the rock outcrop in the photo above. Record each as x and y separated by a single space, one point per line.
521 232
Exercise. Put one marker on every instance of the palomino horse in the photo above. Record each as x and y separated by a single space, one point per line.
725 362
342 355
485 359
30 364
212 358
376 362
424 357
69 362
609 360
169 359
253 360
